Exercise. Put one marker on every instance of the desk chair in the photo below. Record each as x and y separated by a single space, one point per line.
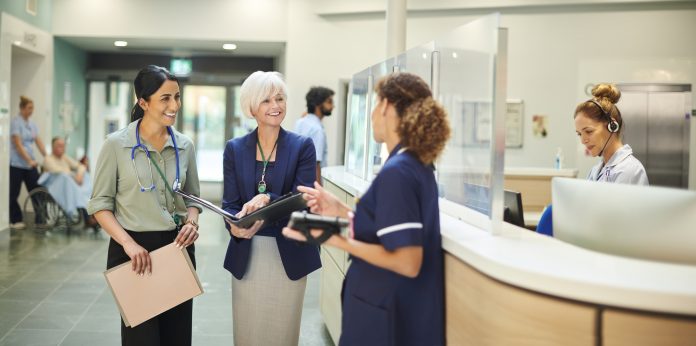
545 225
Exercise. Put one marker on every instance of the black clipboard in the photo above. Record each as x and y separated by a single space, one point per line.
277 210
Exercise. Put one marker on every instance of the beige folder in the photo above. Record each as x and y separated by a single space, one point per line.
140 298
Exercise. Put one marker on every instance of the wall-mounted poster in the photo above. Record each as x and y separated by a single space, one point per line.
539 126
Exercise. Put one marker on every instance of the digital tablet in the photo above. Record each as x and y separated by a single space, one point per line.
276 210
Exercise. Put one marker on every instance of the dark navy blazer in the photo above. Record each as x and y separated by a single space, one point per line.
295 165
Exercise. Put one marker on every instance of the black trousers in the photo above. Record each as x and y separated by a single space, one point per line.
30 178
172 327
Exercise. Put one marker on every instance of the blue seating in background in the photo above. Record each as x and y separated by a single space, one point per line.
545 225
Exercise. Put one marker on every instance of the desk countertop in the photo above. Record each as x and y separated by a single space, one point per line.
528 260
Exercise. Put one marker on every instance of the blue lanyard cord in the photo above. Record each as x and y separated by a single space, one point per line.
176 184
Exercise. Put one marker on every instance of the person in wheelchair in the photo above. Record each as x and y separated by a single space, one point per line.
66 180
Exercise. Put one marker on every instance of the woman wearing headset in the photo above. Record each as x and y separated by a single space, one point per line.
599 125
393 291
133 199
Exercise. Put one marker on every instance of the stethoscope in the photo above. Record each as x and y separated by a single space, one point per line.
175 185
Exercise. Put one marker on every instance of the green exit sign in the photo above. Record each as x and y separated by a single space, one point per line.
181 67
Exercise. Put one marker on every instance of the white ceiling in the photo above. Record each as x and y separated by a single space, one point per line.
183 48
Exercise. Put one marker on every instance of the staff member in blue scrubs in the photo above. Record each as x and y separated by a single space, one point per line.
393 291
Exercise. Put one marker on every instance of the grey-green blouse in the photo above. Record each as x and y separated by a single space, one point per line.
116 186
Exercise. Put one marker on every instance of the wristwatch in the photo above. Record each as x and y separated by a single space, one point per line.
193 223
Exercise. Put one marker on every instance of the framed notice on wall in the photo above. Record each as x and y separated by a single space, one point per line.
514 124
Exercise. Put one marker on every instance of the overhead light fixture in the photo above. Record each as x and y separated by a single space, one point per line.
120 43
454 55
17 43
229 46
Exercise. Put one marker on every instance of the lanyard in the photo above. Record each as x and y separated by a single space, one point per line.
262 183
171 192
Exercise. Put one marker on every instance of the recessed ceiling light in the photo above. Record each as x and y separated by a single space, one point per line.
229 46
17 43
120 43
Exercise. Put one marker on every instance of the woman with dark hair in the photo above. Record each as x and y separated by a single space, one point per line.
23 164
599 125
137 207
393 290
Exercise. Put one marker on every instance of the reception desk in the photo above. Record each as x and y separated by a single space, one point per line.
523 288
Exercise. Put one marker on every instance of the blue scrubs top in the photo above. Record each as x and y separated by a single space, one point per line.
381 307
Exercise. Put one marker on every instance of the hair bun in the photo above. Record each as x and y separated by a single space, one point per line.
607 91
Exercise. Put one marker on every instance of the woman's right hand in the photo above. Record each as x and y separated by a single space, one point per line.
323 202
33 163
245 233
140 258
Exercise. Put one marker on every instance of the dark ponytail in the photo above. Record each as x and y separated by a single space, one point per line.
424 127
146 83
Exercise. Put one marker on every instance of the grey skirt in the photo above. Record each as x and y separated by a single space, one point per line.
266 305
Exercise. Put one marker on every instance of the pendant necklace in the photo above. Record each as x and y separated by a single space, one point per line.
262 184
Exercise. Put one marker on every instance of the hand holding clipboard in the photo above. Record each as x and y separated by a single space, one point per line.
276 210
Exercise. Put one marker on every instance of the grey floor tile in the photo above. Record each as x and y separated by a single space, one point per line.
49 322
9 320
37 284
59 308
33 295
212 340
81 338
16 306
103 324
33 337
58 292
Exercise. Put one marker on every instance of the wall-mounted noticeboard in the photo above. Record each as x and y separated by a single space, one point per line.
514 124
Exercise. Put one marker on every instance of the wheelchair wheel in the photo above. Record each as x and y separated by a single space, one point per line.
47 212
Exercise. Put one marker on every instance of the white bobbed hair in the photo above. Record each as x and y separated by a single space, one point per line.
259 86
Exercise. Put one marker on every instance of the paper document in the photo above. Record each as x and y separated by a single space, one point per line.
140 298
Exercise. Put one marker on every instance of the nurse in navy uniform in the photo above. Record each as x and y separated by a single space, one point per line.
393 291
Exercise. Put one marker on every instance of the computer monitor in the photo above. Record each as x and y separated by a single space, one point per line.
653 223
514 213
477 197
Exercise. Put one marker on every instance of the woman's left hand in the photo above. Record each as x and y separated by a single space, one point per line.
187 235
259 201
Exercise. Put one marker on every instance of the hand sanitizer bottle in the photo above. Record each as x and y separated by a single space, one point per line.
559 158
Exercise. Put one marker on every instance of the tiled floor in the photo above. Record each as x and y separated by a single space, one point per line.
52 291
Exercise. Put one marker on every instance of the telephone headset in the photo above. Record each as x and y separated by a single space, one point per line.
612 125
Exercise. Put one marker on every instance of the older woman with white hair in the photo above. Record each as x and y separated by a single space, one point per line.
269 271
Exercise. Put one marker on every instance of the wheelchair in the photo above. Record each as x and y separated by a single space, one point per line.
49 214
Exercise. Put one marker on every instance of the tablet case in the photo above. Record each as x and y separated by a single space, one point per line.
275 211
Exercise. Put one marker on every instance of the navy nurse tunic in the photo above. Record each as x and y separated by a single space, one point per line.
381 307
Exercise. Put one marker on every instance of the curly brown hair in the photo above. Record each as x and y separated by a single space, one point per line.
424 128
606 95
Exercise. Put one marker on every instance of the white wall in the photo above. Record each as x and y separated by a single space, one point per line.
35 58
240 20
321 51
553 54
555 46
